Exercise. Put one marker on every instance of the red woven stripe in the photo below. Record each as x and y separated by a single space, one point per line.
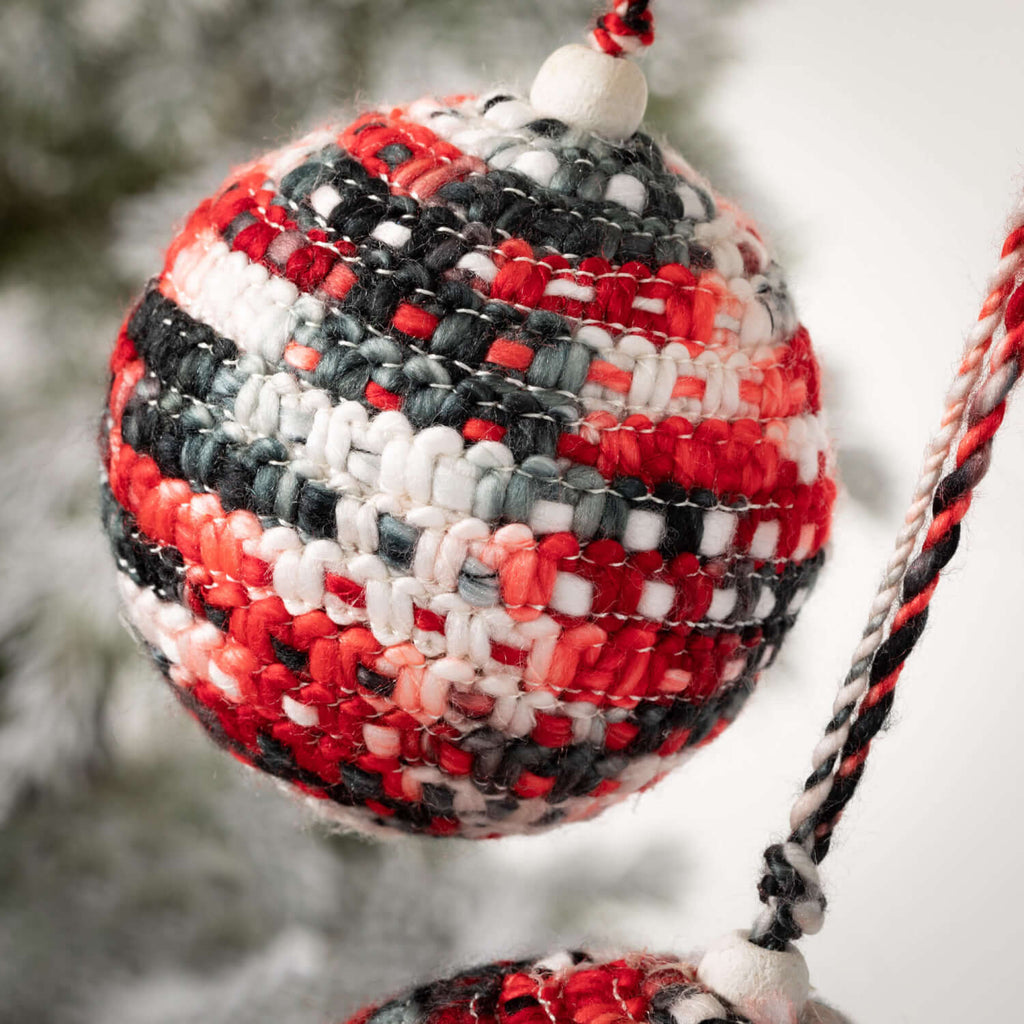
432 164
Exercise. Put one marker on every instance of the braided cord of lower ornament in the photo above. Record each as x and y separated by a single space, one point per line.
975 404
626 29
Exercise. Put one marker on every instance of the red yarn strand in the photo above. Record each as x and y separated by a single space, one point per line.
626 29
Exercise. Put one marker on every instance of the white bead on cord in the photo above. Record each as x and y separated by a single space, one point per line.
767 986
591 90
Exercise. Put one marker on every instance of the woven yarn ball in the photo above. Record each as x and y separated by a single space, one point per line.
576 988
464 467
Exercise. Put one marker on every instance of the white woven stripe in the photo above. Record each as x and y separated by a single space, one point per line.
260 313
299 569
240 300
358 454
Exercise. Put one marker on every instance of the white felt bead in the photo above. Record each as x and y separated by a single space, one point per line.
768 986
591 90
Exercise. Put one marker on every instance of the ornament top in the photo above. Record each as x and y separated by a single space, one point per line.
591 90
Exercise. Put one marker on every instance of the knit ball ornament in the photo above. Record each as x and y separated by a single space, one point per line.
576 988
464 467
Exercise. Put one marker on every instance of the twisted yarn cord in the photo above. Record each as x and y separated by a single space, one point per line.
626 29
975 404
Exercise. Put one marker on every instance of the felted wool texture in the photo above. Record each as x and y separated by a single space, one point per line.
464 469
570 987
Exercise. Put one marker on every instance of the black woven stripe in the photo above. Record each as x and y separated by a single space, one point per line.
181 351
570 216
186 442
532 407
155 567
191 442
586 166
447 380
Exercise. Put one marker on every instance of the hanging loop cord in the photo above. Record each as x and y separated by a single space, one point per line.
975 405
625 30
